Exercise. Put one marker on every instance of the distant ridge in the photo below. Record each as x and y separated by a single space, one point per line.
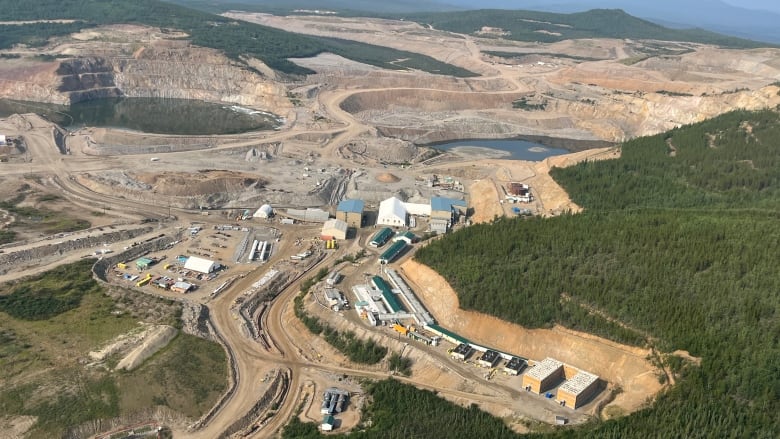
549 27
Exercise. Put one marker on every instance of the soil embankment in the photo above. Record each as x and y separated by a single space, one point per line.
619 365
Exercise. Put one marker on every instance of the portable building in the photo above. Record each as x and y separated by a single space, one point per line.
351 212
406 236
328 422
381 237
201 265
387 294
392 252
144 263
391 213
576 391
544 375
181 287
334 229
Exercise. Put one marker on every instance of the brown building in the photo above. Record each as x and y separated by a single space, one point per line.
544 375
578 390
351 212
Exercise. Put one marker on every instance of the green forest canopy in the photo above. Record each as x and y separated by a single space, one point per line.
682 247
234 38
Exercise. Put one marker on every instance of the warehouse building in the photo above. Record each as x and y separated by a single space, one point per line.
578 390
514 366
265 211
444 212
391 213
351 212
334 229
201 265
328 422
489 358
462 351
544 375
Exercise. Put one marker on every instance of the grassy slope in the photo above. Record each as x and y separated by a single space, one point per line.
41 370
235 38
683 248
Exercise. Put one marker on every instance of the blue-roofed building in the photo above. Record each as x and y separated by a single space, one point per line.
351 212
443 212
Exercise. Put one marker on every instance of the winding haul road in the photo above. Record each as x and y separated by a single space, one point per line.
248 355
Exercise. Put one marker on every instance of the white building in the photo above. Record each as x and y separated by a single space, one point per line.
201 265
265 211
334 228
2 139
392 213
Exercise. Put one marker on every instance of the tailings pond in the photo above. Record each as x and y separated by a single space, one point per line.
150 115
532 149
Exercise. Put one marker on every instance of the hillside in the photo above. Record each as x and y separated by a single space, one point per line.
676 250
550 27
234 38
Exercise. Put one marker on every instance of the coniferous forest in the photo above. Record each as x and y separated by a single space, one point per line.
680 242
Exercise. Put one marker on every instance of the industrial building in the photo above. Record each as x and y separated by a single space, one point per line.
421 316
328 422
443 213
381 237
514 366
144 263
462 351
391 213
544 375
407 236
446 334
265 211
333 278
392 252
489 358
310 215
333 401
387 294
519 192
351 212
201 265
576 391
181 287
334 229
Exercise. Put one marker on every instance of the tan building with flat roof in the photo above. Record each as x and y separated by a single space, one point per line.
576 391
543 375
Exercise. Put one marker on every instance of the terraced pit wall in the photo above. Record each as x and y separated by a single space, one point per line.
9 261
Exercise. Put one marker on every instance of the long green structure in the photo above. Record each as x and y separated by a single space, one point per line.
381 237
391 253
387 294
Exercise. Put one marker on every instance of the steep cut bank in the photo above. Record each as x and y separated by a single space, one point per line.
617 364
138 61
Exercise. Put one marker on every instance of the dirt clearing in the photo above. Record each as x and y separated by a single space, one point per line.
619 365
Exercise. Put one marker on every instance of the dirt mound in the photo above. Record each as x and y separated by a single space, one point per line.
387 178
155 340
617 364
201 183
